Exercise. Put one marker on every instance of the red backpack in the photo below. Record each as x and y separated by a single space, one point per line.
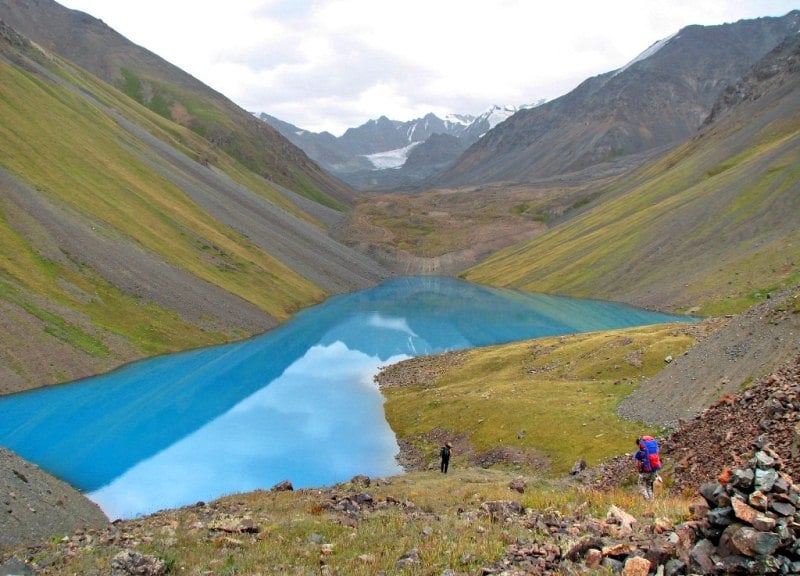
652 461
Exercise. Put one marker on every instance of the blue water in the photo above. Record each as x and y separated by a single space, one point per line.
297 403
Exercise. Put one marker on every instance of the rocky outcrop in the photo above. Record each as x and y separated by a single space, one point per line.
749 523
765 413
130 563
746 523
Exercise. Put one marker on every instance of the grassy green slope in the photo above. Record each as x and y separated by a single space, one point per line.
174 95
555 397
230 130
46 126
182 138
77 157
710 226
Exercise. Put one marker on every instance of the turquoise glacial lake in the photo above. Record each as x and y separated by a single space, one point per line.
297 403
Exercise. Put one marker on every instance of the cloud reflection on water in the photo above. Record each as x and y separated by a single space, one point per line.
309 423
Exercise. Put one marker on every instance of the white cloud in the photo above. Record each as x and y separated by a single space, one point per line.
332 64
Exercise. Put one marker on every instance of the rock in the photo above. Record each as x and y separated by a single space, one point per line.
360 480
765 479
410 558
593 558
130 563
763 523
781 486
687 537
518 484
636 566
699 509
710 491
613 565
758 500
282 486
659 554
751 542
663 525
700 559
14 567
366 558
500 510
736 564
625 520
782 508
581 548
764 461
364 499
721 516
674 567
578 467
761 440
742 510
743 479
235 526
619 549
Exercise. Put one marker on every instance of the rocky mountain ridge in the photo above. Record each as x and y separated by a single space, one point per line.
655 102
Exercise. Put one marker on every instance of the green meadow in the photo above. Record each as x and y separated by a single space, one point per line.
554 398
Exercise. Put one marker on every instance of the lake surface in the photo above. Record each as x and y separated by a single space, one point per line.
296 403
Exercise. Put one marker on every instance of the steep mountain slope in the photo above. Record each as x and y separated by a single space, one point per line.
712 226
657 101
38 506
172 93
119 240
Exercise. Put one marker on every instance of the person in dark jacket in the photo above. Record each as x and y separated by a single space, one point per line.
445 454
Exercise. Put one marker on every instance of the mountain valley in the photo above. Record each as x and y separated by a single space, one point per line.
143 213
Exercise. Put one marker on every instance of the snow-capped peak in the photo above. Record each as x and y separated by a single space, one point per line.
497 114
459 119
647 53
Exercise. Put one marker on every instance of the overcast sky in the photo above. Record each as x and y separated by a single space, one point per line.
334 64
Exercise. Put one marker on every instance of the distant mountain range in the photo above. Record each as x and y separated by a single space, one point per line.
386 153
607 124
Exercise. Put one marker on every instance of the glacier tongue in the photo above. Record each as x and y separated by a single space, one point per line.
391 158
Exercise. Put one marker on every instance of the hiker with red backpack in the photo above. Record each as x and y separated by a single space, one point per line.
648 463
